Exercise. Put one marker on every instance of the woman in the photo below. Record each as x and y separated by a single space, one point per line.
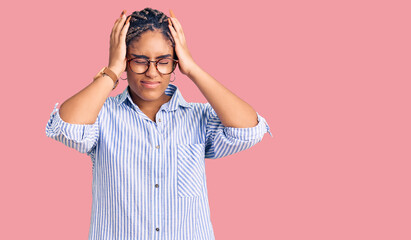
147 144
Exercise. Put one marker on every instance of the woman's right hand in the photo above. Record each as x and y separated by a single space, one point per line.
117 60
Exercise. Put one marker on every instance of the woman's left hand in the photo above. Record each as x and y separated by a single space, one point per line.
185 60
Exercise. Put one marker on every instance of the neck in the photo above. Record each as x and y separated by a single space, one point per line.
152 106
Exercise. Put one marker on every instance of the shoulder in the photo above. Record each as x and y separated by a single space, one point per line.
109 105
111 102
204 110
196 106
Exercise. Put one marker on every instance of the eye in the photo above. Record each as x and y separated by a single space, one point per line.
140 61
164 61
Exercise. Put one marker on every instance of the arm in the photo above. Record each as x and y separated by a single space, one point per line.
76 123
82 137
232 125
232 111
83 107
221 141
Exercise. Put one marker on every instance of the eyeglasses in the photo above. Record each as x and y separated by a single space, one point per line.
141 65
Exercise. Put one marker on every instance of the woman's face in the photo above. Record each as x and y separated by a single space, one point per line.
151 85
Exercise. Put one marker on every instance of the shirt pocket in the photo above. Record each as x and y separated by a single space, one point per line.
190 169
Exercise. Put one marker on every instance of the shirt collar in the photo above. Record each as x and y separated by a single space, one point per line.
172 90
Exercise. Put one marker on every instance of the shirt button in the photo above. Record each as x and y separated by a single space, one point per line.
156 185
159 119
158 146
157 229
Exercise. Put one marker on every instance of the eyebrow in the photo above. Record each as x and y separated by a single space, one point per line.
144 56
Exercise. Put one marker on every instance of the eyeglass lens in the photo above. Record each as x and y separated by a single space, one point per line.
164 65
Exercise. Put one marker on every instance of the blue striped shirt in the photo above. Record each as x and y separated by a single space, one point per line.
149 177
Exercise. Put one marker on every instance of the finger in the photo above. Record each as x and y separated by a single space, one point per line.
119 26
172 14
178 28
119 19
172 30
123 32
174 22
114 28
116 23
175 35
177 25
169 22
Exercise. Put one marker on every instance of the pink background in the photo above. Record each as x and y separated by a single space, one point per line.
332 78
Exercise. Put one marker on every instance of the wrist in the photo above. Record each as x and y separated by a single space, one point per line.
193 70
118 71
106 79
108 73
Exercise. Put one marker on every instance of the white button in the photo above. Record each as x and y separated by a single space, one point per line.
158 146
159 119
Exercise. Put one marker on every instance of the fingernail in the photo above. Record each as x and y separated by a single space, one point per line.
171 13
122 13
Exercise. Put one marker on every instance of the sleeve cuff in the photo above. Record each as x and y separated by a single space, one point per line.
75 132
245 134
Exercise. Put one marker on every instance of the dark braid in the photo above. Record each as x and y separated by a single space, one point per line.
148 19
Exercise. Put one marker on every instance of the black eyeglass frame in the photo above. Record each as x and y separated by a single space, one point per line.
175 61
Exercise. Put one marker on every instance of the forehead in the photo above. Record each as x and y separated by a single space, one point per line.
151 44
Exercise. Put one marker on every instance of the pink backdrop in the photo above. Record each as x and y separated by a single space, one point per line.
332 78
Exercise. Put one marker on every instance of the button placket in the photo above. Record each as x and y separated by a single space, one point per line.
157 160
159 124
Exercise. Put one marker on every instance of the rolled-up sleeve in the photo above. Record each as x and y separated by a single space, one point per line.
222 141
82 137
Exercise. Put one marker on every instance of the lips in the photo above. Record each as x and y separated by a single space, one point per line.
150 84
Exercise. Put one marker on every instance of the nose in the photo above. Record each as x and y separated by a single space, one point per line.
152 70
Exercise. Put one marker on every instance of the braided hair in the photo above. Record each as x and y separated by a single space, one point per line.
148 19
